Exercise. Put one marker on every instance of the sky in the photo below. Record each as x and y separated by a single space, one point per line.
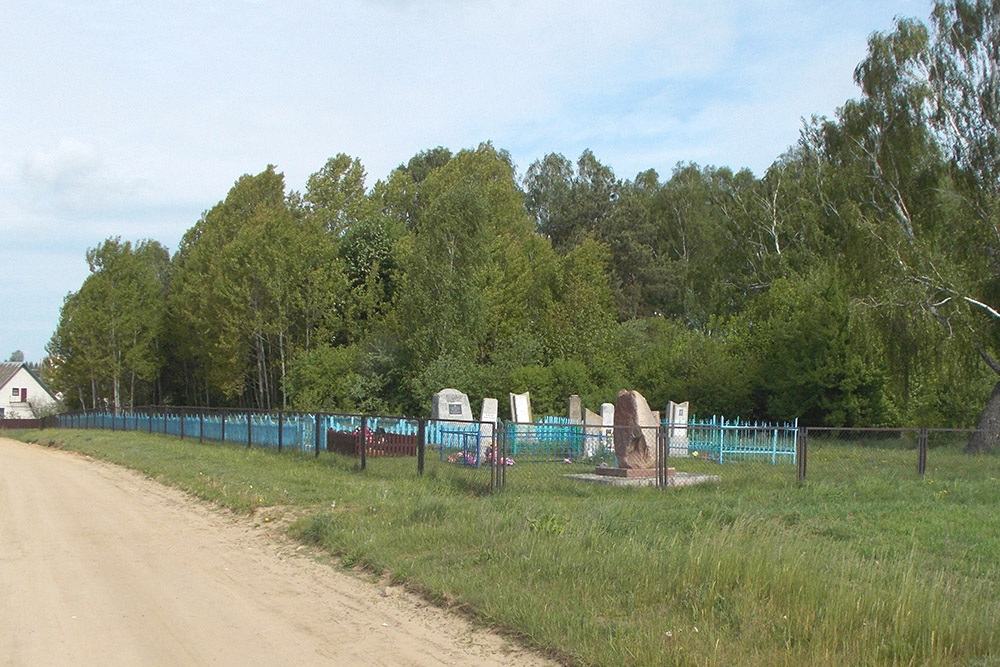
130 119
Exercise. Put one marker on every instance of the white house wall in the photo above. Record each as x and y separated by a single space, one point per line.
38 397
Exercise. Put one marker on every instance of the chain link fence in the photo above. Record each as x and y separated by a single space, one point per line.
897 453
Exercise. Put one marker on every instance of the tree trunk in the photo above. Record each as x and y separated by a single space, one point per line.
987 435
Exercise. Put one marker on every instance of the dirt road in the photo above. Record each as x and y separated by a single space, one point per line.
99 565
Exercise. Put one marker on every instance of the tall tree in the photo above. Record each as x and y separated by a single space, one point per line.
567 203
252 283
110 330
931 93
467 273
336 196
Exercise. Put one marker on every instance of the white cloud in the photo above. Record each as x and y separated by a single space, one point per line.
73 178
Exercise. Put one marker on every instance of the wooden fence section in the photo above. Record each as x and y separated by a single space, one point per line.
380 443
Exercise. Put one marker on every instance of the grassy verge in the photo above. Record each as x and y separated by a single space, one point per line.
853 569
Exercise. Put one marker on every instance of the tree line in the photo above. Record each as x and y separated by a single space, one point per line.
854 283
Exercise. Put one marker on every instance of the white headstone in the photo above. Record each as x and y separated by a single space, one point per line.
608 422
451 404
677 432
520 408
592 432
488 420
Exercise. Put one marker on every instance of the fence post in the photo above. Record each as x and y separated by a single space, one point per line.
801 449
422 445
183 419
662 454
502 471
922 452
318 419
224 425
281 429
164 421
201 425
249 428
364 441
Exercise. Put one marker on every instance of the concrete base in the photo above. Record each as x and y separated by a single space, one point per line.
629 472
675 479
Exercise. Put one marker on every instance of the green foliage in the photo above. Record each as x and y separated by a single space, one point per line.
335 197
809 366
325 379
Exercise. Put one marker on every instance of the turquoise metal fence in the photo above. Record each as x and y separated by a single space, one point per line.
723 440
559 439
549 439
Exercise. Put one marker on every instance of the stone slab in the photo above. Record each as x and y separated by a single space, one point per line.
630 472
520 408
574 409
677 479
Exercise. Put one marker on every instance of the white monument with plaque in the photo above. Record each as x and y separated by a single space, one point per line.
451 404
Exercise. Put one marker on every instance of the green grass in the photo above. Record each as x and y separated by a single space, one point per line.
864 564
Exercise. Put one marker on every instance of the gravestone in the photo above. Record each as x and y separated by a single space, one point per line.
636 430
592 431
520 408
487 424
608 422
574 409
677 432
451 404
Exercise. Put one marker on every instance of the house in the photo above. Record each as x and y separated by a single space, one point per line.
22 394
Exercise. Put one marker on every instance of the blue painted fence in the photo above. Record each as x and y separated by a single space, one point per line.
723 440
549 439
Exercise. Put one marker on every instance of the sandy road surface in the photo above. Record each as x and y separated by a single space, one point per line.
99 565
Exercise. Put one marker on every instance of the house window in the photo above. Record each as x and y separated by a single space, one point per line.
15 393
19 395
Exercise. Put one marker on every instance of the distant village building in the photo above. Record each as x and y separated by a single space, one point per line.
22 394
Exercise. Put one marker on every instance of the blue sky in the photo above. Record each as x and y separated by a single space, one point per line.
130 119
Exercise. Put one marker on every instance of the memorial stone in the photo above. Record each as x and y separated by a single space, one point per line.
451 404
520 408
608 421
592 431
636 429
487 424
677 432
574 409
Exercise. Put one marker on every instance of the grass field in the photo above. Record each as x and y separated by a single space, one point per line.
864 564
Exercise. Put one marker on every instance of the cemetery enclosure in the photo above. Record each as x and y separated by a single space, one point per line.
493 454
